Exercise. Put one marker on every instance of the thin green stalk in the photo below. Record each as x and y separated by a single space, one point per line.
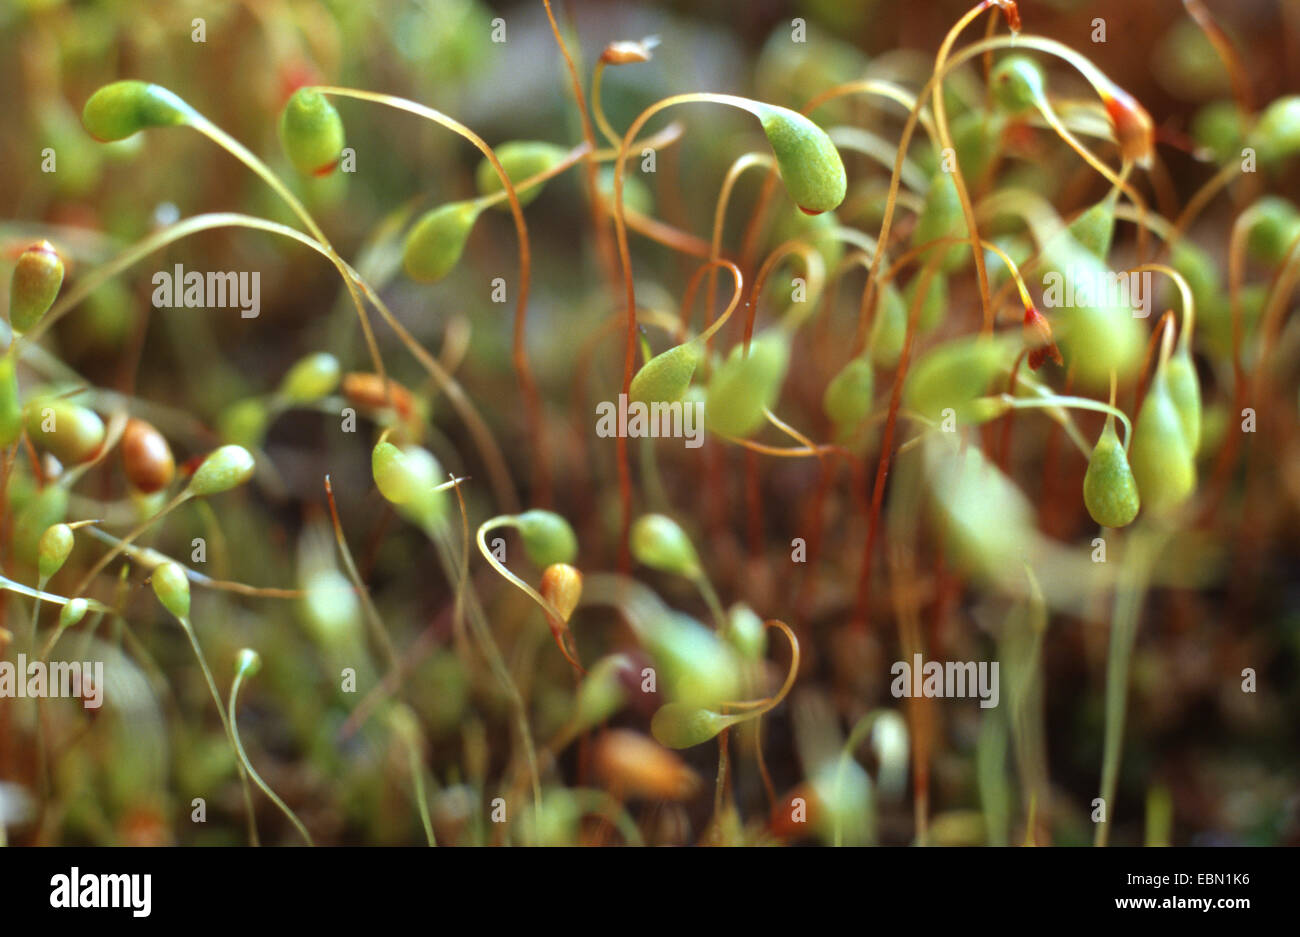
248 765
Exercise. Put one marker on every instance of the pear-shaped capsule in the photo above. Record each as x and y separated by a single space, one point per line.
1094 229
1274 231
888 327
311 132
666 376
172 587
1018 83
952 375
1109 490
744 386
659 542
941 217
1277 132
311 378
409 477
224 468
521 159
124 108
72 432
53 549
433 247
547 537
1162 460
36 281
847 399
1185 390
681 725
810 166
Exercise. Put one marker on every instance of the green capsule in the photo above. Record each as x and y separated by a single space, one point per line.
746 632
1185 389
1109 490
547 537
244 422
48 506
807 160
659 542
637 196
124 108
311 133
933 307
248 663
681 725
521 159
847 399
1093 313
1094 229
952 375
742 387
73 433
433 247
409 478
53 549
1018 83
224 468
1275 229
11 408
666 376
311 378
977 139
1219 128
694 664
1277 132
36 281
172 587
601 693
1199 270
888 327
941 217
1162 459
73 611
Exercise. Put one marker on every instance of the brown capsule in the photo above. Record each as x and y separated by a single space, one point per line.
146 457
1134 129
562 587
637 766
366 390
629 53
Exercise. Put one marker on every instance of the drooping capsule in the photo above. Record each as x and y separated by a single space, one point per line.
1109 490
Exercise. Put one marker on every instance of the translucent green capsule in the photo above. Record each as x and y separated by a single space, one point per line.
601 693
244 422
847 399
681 725
73 433
1018 83
172 587
311 132
666 376
659 542
1162 460
73 611
547 537
1185 389
637 196
248 663
807 160
694 665
1094 229
1219 128
521 159
11 408
1109 490
742 387
950 376
433 247
1277 132
36 281
1275 229
53 549
124 108
746 632
408 477
977 138
311 378
224 468
48 506
888 327
941 217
